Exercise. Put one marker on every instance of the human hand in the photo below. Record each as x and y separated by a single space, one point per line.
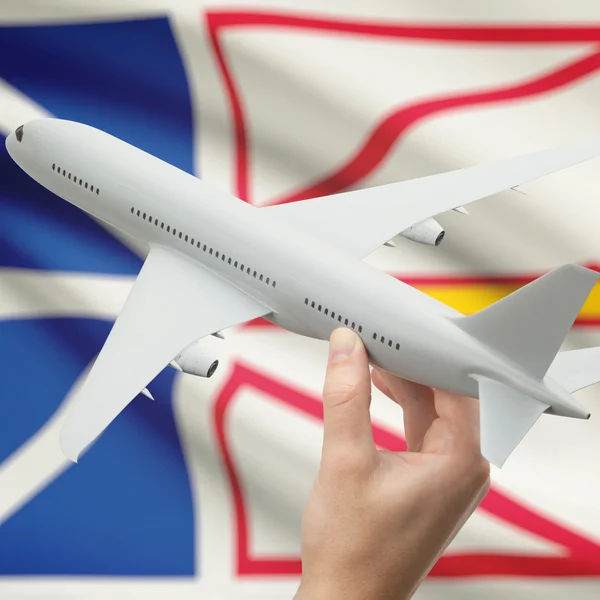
377 521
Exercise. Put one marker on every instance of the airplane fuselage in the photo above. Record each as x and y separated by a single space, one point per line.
310 286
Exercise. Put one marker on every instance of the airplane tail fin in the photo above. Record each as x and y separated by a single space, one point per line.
528 327
576 369
530 324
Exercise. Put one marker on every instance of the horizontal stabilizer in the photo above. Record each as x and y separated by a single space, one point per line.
576 369
505 417
529 325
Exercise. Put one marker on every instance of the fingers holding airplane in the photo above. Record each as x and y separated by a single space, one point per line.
417 404
456 432
348 437
435 421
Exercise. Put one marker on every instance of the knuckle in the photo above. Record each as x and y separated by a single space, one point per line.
476 470
483 472
347 463
343 393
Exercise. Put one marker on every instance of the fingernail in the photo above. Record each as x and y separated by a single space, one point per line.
341 344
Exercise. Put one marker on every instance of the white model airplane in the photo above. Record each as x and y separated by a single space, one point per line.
215 262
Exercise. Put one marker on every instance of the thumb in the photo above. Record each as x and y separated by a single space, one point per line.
346 398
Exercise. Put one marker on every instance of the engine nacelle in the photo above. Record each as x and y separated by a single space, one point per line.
428 232
196 359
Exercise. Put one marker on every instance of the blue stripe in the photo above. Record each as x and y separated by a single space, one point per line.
126 78
126 509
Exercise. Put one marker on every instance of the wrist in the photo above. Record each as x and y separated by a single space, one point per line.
346 589
319 591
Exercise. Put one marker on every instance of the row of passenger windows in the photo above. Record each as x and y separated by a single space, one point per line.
347 322
390 343
226 259
332 314
66 174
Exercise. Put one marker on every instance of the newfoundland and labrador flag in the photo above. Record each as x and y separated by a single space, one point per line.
200 494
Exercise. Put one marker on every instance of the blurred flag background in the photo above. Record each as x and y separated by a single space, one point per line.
200 493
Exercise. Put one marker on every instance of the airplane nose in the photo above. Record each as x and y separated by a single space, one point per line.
11 143
13 140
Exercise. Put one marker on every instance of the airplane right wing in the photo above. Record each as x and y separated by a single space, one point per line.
360 221
173 302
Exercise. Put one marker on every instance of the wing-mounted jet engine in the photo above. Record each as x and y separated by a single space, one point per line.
428 232
197 359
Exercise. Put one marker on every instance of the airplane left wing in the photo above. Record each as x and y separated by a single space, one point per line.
173 302
360 221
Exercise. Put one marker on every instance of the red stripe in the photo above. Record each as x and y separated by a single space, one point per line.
476 33
241 182
524 518
581 555
580 322
389 131
477 278
490 565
